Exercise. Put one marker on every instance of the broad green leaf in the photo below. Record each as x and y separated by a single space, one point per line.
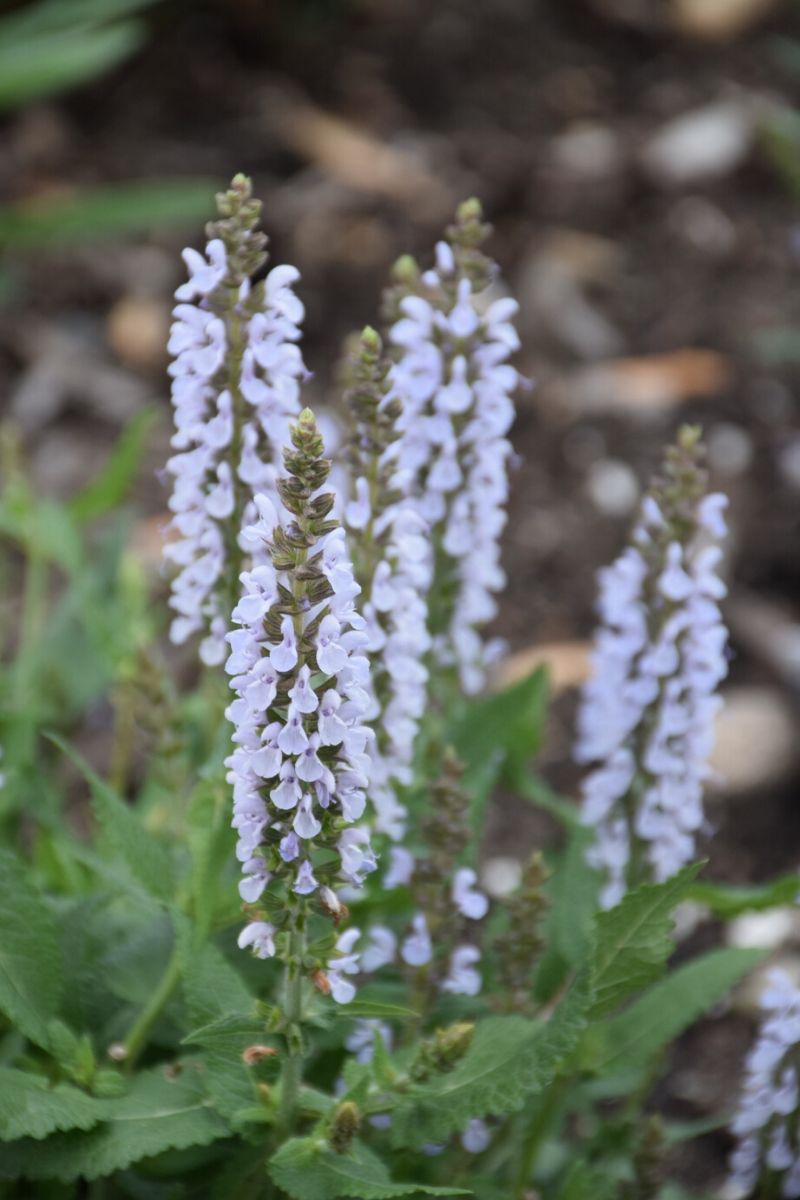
216 997
145 857
162 1111
111 485
634 940
31 1107
306 1169
510 1059
729 900
655 1019
505 727
109 211
30 973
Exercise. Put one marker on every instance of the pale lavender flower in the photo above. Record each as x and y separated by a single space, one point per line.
462 977
417 949
231 410
296 790
455 384
476 1137
647 716
767 1123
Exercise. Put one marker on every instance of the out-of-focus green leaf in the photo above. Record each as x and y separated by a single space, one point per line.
671 1005
52 62
30 975
144 855
109 488
729 900
160 1112
106 212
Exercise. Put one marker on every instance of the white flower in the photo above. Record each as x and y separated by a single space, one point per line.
462 976
260 936
224 455
649 707
766 1121
467 899
416 949
455 384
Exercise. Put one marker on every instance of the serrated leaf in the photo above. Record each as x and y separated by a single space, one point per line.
307 1170
31 1107
214 993
510 1059
655 1019
145 857
222 1029
30 974
729 900
634 940
158 1113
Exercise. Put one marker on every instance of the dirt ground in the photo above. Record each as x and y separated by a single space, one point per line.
646 216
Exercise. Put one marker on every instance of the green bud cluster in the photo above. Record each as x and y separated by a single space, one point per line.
519 947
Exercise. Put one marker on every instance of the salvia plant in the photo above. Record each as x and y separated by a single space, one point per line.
260 961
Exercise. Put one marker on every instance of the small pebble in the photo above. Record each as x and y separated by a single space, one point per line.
612 487
768 930
730 449
500 876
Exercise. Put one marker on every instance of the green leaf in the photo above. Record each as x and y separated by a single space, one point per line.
230 1026
31 1107
375 1008
634 940
584 1183
109 211
307 1170
160 1112
510 1059
54 61
30 973
728 900
111 485
146 858
655 1019
211 841
218 1002
505 728
574 889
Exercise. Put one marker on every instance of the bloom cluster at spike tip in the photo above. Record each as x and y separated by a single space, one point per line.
455 383
392 563
299 768
648 711
235 387
767 1124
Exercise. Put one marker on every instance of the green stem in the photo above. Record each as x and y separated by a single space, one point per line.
139 1032
538 1131
292 1073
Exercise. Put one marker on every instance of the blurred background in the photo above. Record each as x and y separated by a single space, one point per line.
640 161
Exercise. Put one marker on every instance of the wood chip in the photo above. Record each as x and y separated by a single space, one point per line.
567 664
639 387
